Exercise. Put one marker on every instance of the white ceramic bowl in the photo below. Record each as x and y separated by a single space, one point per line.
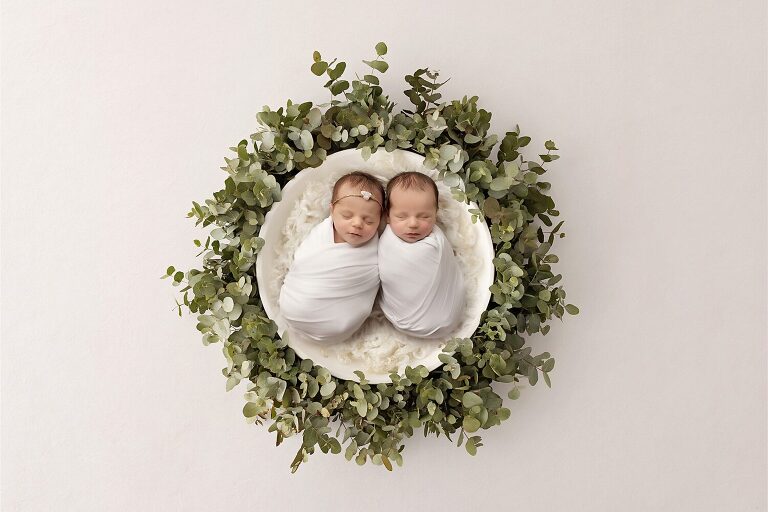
383 165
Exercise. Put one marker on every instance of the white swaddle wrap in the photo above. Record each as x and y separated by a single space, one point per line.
330 287
422 288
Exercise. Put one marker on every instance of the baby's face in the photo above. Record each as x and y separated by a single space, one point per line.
355 219
412 213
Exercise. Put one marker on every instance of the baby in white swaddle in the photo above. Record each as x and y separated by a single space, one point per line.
422 288
332 283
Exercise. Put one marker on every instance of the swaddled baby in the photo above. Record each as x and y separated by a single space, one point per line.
333 280
422 288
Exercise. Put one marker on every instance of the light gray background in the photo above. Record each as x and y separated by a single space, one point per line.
116 115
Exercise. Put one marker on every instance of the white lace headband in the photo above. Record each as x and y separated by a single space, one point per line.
364 194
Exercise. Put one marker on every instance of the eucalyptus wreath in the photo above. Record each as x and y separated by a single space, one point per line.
372 421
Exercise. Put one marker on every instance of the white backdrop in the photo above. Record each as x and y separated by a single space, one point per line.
116 115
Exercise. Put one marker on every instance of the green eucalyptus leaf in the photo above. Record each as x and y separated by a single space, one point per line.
328 388
470 399
471 447
501 183
337 71
470 424
378 65
318 68
339 87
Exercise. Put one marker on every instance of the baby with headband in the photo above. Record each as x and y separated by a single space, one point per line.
332 283
422 287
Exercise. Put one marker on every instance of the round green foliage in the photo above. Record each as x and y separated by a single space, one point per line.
457 400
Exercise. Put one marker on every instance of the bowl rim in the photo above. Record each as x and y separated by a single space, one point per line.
270 229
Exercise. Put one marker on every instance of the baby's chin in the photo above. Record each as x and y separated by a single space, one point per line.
356 241
412 238
358 244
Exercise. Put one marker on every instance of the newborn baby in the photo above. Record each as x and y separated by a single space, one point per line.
422 288
333 280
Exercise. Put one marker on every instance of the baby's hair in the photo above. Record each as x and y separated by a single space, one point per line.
410 180
359 179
